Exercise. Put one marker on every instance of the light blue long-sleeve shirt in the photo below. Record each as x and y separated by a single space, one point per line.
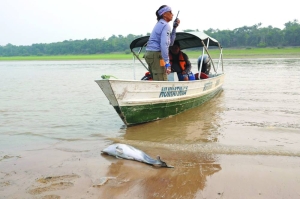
161 38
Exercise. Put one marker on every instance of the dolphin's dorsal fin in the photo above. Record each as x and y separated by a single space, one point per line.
119 150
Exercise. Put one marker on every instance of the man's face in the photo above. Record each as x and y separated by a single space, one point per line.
174 49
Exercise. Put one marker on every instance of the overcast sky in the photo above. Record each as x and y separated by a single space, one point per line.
25 22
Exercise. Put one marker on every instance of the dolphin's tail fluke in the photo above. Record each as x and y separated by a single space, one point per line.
163 164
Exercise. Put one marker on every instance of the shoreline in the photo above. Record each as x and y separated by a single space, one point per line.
237 53
244 57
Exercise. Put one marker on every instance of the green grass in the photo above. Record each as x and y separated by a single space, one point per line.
229 53
243 53
69 57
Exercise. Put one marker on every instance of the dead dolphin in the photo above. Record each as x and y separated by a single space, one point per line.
129 152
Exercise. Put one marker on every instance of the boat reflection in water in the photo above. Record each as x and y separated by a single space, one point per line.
196 126
180 141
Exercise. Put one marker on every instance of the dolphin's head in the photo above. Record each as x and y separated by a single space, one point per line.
162 163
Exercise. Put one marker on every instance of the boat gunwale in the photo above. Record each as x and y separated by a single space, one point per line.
162 82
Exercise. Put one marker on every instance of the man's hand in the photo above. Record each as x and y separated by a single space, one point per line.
176 23
168 68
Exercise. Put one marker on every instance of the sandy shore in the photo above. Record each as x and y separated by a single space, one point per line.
58 172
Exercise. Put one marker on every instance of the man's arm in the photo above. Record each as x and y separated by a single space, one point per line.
164 45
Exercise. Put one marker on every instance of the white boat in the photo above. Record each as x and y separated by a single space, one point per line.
141 101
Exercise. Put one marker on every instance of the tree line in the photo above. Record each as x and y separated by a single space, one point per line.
257 36
246 36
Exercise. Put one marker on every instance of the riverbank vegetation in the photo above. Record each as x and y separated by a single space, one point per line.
230 53
243 42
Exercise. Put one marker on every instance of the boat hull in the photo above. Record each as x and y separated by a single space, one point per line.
139 102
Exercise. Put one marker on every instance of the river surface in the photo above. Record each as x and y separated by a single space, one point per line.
46 102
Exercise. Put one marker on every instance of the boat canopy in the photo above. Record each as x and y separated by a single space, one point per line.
186 40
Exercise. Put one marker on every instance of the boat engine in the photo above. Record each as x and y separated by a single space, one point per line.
206 65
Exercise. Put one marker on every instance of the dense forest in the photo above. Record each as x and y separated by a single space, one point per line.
246 36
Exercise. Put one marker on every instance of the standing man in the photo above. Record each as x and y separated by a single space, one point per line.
161 37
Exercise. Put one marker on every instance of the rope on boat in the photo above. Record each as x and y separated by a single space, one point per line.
107 76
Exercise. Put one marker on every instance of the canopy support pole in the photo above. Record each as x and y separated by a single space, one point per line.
200 68
139 59
204 46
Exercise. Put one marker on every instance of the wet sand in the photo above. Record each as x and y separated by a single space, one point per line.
54 172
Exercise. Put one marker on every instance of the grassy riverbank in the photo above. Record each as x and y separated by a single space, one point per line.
242 53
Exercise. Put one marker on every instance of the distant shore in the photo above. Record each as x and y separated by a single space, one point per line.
230 53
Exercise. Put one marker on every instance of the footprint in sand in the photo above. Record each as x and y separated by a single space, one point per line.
53 184
8 157
51 197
